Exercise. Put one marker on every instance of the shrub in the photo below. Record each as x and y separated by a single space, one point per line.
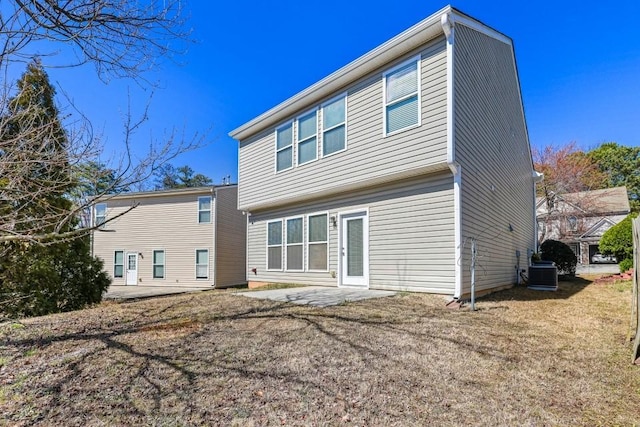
38 280
561 254
625 265
618 240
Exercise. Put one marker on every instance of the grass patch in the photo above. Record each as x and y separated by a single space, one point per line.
523 358
271 286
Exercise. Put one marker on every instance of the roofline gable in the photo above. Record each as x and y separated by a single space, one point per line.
410 39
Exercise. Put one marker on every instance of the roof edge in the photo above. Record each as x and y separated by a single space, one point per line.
425 30
158 193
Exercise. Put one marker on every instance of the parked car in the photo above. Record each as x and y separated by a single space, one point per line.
598 258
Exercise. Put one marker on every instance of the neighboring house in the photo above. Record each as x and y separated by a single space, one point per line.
385 173
580 219
184 237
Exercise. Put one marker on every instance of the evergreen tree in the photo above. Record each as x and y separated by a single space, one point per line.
621 166
40 278
34 154
181 177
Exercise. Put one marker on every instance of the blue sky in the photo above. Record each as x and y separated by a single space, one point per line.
579 65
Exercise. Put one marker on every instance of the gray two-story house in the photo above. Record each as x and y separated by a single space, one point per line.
386 173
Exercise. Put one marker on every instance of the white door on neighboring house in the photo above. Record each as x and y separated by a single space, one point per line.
354 249
132 269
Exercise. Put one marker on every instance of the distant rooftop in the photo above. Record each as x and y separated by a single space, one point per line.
604 201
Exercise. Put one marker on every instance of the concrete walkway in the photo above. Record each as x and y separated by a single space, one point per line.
133 292
317 296
597 269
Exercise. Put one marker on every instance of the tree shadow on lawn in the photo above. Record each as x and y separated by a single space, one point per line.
178 369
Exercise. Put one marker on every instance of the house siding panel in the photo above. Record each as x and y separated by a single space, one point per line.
230 239
169 223
410 236
368 155
492 147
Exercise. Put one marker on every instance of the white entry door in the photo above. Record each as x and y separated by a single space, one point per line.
354 249
132 269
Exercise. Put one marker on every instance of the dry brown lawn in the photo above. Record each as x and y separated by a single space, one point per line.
524 358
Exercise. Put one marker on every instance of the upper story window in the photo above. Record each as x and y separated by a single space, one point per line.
100 214
573 223
402 97
204 209
334 120
307 137
284 147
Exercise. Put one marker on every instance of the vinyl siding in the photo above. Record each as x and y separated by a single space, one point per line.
168 223
231 239
368 156
411 244
492 147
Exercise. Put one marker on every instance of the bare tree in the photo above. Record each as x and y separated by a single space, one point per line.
121 38
569 175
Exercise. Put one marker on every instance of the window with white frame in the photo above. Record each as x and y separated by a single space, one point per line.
317 242
100 214
202 263
284 147
118 264
402 100
274 245
573 223
295 244
307 137
334 135
158 264
204 209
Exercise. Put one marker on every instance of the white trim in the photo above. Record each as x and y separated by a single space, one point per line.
153 264
210 210
275 146
479 27
285 198
364 213
286 244
448 24
297 137
457 229
418 60
208 263
382 55
345 96
596 226
450 32
281 221
316 243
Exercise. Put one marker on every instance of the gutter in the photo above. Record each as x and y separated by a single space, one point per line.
381 56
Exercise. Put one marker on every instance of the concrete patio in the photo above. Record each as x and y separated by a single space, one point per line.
317 296
135 292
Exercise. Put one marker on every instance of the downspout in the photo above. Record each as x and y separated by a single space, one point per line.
447 22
